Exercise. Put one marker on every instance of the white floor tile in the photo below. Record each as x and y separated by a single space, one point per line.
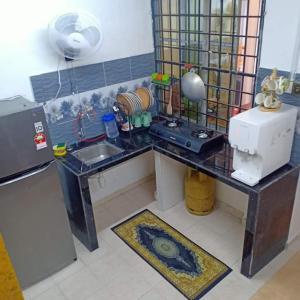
179 217
102 294
68 271
39 288
220 221
167 291
111 239
295 245
80 285
151 276
232 287
89 258
110 267
210 296
53 293
151 295
128 286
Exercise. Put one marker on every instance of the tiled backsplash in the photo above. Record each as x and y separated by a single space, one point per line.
91 89
289 99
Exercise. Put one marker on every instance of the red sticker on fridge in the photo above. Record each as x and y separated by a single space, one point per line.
40 141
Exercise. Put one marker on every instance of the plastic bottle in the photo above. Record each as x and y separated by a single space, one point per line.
110 125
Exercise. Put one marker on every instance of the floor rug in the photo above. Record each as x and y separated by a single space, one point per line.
188 267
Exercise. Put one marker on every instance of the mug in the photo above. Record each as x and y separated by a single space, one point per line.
137 120
149 116
146 119
131 119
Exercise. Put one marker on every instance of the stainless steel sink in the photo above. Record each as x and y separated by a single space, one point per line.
95 153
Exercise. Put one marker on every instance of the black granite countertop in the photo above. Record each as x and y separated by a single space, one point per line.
216 163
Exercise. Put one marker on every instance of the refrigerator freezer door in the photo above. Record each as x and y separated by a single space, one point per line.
20 141
34 225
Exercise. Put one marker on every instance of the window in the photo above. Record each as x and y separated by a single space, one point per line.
221 39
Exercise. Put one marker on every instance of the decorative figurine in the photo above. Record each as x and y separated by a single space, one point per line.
271 87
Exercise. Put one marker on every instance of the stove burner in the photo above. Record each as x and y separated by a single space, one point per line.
202 134
173 123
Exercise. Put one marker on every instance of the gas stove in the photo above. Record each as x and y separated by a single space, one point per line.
188 136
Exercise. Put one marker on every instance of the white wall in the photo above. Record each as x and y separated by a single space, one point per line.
279 38
25 49
279 35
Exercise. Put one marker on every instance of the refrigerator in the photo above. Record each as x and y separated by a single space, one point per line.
33 217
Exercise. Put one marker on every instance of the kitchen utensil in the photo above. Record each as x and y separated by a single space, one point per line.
169 106
149 116
144 96
151 102
125 104
145 119
131 101
137 121
137 101
193 86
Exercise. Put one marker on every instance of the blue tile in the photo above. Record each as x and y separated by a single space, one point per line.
63 132
45 86
81 79
94 126
142 65
295 157
89 77
66 130
117 71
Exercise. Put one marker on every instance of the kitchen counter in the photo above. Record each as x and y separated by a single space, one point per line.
216 163
269 201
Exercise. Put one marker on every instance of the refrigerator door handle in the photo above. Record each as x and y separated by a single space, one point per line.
27 175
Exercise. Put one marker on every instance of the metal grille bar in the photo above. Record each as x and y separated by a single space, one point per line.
222 40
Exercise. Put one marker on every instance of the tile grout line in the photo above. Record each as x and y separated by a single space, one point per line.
104 74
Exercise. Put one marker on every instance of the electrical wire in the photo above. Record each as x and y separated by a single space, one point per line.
59 79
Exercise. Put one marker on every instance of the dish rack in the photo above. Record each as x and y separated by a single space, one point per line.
131 103
136 102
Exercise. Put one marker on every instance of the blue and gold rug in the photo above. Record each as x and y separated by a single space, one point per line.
188 267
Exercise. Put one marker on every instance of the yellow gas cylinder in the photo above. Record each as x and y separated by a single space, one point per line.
199 192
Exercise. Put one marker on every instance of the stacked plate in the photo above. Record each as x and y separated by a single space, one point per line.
135 102
146 96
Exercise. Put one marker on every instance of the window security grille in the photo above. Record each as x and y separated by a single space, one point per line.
222 40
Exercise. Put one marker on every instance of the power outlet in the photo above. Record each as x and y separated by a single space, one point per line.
296 88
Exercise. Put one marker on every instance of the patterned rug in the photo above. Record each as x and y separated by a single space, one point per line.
188 267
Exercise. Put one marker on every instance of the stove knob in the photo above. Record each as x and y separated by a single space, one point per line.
188 144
